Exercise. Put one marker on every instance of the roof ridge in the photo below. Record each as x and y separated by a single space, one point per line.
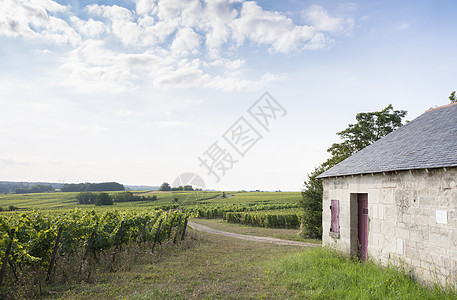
442 106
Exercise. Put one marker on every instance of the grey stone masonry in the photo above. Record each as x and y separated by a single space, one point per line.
412 219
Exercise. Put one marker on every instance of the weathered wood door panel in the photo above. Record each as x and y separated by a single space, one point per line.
363 226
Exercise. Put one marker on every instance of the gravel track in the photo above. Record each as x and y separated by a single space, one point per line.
253 238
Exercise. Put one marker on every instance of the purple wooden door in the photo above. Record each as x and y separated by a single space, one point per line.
335 225
363 226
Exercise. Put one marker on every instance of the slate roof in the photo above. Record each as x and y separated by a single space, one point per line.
429 141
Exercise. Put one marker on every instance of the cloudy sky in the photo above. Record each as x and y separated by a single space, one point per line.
142 91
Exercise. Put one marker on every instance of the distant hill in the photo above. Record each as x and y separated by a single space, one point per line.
141 187
92 187
7 187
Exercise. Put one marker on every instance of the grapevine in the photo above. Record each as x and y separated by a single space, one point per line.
32 239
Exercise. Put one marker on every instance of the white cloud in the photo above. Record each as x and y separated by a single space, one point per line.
219 17
269 28
121 21
318 17
226 63
91 66
89 28
49 5
32 20
186 40
403 26
165 43
144 7
230 83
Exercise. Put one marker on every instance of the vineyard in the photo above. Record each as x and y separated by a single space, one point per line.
265 209
210 211
286 218
55 238
36 247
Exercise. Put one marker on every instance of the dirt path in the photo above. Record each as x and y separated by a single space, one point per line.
260 239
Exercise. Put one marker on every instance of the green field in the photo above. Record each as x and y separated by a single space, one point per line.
206 204
58 200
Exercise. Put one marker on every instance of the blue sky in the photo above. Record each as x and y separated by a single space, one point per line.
137 91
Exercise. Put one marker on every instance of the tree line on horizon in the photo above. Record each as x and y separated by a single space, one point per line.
109 199
92 187
166 187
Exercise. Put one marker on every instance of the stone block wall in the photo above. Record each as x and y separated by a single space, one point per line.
412 220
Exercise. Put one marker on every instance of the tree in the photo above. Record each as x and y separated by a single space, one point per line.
188 187
86 198
165 187
125 197
37 188
104 199
369 128
453 97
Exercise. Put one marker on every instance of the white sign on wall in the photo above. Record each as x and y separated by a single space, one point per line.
441 216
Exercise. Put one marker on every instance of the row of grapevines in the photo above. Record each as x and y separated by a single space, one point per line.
270 219
32 236
210 211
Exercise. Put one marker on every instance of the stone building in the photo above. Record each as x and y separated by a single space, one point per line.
396 200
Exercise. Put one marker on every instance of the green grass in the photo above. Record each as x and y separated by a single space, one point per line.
206 267
216 267
322 273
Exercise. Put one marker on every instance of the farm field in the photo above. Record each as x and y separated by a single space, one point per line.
59 200
204 204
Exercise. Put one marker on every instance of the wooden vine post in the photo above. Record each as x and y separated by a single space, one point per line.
177 229
118 242
143 231
170 229
166 221
7 255
86 252
156 239
54 253
184 228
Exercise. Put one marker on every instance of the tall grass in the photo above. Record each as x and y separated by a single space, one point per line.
322 273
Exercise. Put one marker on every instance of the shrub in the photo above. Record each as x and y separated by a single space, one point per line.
12 208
